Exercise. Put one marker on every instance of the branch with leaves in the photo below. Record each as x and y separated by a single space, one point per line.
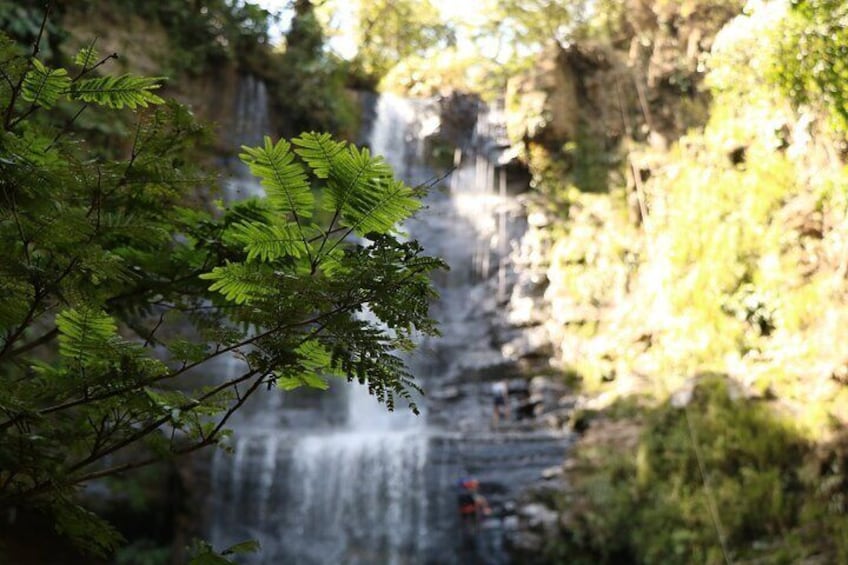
114 288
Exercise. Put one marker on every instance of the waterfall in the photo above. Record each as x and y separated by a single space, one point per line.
332 477
251 121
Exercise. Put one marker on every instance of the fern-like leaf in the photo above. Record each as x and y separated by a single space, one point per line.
362 188
239 282
314 363
43 86
310 380
84 334
86 57
86 530
319 150
377 210
268 243
129 91
284 178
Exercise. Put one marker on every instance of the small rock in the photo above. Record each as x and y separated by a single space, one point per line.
569 465
683 397
539 516
552 472
510 522
533 342
553 422
657 141
540 384
568 401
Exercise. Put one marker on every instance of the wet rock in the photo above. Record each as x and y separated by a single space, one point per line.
541 384
533 342
458 114
510 522
538 517
553 421
568 402
523 312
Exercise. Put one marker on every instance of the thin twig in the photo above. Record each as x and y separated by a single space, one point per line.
7 120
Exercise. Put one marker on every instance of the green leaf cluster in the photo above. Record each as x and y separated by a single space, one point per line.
44 87
203 34
812 64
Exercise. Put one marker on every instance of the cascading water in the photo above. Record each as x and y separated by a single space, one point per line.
332 477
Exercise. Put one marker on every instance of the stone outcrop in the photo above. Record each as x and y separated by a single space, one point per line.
542 105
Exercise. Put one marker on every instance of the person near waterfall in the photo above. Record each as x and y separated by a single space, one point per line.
472 505
500 409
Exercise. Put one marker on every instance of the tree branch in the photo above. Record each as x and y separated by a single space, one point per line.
47 337
16 90
205 442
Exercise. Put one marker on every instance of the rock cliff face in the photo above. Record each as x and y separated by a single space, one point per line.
627 115
594 116
625 140
645 84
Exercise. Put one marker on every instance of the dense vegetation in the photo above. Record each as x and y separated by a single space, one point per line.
719 479
813 66
118 296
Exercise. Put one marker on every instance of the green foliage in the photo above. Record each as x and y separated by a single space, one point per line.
205 33
812 65
92 534
534 23
115 289
653 502
142 554
87 56
734 268
309 81
43 86
389 31
283 179
83 334
590 162
22 20
117 92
